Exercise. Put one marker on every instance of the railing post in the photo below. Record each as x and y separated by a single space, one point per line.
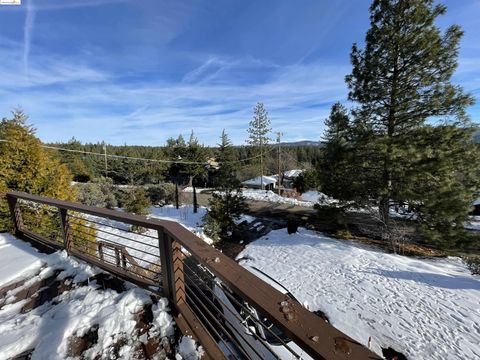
64 223
16 214
171 258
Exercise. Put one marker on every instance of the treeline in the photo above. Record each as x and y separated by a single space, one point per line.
166 161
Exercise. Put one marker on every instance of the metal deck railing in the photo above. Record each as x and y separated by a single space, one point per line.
231 312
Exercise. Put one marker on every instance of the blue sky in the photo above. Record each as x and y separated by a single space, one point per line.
140 71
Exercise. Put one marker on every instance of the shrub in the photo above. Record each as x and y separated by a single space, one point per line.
26 166
473 264
330 214
161 194
307 180
344 234
84 236
137 203
100 192
224 210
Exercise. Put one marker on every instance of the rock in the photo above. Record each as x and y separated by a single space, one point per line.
78 344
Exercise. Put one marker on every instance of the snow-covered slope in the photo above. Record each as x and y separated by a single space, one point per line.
426 309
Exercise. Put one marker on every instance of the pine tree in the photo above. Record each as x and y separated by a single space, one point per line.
334 167
226 204
259 130
137 202
401 80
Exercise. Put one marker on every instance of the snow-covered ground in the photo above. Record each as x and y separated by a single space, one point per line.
474 223
189 189
307 199
48 327
270 196
426 309
185 216
144 246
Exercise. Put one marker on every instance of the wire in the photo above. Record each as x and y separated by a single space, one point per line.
144 159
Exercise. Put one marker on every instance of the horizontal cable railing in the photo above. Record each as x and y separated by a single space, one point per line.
233 313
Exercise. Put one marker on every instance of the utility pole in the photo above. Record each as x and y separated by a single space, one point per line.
261 155
279 135
106 164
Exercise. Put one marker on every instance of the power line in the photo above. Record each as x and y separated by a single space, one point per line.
138 158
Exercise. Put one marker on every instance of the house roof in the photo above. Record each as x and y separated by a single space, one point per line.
292 173
258 180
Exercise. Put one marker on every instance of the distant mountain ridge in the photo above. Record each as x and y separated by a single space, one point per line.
303 143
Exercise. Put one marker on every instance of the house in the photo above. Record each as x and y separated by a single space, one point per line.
269 183
289 177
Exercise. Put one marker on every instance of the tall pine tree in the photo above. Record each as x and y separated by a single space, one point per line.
401 80
258 134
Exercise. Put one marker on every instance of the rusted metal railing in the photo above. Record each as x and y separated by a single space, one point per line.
226 308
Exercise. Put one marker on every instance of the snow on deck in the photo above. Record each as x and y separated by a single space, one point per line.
426 309
18 260
48 327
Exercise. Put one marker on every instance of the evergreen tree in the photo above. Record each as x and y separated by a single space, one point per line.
306 180
137 202
334 166
26 166
400 80
197 155
227 204
258 133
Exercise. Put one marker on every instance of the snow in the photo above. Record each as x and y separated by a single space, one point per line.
189 189
48 328
292 173
317 197
426 309
247 218
18 260
144 246
185 216
258 181
477 202
307 199
473 223
270 196
188 349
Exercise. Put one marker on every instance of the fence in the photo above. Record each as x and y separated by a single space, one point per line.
230 311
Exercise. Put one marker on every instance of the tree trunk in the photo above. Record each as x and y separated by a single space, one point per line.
176 195
195 204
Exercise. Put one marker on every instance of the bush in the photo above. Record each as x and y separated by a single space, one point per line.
473 264
307 180
137 203
161 194
330 214
84 236
224 210
344 234
100 192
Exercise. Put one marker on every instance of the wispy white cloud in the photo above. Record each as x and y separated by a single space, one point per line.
66 98
27 34
53 5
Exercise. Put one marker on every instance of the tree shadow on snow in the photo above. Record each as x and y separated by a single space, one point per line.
453 282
